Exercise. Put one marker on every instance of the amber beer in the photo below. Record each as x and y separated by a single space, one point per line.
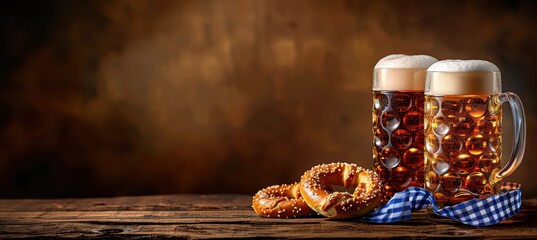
463 131
398 104
464 145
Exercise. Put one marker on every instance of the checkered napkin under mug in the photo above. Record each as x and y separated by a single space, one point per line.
476 212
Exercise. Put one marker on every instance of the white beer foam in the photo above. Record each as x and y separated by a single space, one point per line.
405 61
457 65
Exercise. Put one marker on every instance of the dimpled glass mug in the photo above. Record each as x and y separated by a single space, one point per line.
398 84
463 131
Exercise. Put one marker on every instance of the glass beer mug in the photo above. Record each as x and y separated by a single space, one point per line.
398 100
463 131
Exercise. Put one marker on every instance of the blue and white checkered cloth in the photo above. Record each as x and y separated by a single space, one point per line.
476 212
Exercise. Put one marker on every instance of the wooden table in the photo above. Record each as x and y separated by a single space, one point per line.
218 216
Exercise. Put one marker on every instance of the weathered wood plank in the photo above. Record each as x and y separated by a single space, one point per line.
340 230
140 203
218 216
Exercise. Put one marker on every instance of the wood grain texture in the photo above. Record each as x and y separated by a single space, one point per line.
218 216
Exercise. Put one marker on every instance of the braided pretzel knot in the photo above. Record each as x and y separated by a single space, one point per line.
283 201
365 198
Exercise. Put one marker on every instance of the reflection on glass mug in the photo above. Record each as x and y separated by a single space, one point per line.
398 83
463 131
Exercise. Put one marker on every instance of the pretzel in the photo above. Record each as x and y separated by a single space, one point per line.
282 201
365 198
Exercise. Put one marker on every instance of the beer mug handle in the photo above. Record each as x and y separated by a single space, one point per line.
519 141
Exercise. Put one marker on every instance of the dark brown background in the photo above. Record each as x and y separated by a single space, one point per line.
102 98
